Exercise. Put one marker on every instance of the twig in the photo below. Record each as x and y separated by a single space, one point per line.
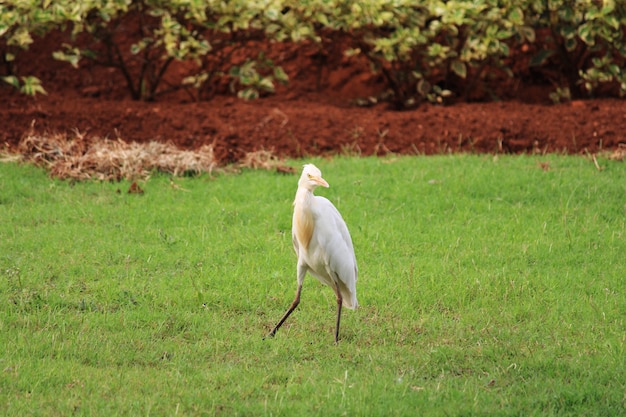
595 160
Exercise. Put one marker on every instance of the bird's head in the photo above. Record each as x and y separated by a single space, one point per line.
311 178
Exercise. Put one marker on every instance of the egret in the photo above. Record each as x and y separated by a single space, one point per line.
323 244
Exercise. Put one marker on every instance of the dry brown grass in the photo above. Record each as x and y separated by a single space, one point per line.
80 158
618 154
265 160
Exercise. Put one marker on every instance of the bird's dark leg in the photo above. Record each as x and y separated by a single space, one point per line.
339 304
292 307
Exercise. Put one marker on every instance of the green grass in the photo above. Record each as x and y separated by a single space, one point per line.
488 286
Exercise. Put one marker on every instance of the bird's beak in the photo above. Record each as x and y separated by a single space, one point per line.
320 181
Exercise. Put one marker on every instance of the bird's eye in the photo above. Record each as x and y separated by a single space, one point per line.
309 175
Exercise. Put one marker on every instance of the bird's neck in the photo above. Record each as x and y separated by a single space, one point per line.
303 221
304 196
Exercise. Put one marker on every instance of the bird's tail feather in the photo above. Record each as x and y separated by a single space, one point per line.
352 304
348 297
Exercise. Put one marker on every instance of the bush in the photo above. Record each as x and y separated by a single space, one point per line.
432 49
585 41
206 34
425 51
418 48
20 21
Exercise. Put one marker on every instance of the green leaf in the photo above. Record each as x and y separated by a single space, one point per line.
234 71
568 31
136 48
585 34
32 86
266 84
541 57
72 55
272 14
280 75
248 94
385 17
459 68
423 87
21 37
612 21
89 53
570 44
272 28
516 16
528 33
12 80
504 49
322 19
352 52
247 80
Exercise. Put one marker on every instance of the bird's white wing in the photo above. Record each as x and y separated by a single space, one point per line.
332 236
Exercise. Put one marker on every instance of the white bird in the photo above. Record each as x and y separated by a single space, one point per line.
323 244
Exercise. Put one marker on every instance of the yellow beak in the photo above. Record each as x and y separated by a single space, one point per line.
320 181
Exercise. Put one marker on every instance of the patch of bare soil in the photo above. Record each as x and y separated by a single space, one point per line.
314 115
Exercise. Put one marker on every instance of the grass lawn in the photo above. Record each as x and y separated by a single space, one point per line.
488 286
